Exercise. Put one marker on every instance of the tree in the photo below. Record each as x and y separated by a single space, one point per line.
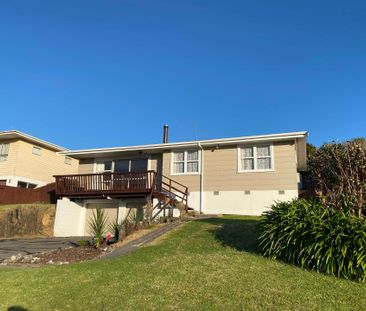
310 150
339 172
359 140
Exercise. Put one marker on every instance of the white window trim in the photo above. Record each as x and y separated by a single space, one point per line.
66 161
37 148
240 170
118 159
185 162
4 157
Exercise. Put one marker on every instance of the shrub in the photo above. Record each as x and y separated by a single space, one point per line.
182 210
97 226
116 229
317 237
339 172
83 243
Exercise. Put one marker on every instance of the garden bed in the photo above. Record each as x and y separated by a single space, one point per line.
57 257
74 254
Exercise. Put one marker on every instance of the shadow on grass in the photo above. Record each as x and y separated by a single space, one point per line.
16 308
240 234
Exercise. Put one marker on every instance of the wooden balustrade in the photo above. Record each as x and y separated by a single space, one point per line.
172 189
101 184
121 185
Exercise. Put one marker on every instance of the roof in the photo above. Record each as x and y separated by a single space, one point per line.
13 134
87 153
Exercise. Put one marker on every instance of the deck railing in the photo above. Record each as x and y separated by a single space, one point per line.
105 184
172 189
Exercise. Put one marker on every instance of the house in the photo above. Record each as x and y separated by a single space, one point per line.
29 162
240 175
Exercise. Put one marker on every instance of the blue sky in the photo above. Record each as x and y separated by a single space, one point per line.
110 73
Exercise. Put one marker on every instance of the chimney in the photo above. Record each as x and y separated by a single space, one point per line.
165 134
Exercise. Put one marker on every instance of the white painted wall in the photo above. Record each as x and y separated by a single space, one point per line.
194 200
239 203
69 218
12 180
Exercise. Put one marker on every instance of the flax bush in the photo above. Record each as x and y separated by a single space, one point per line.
97 226
316 237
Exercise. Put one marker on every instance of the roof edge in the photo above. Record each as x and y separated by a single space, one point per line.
162 146
31 138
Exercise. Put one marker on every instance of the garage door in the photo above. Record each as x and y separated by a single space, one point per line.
110 210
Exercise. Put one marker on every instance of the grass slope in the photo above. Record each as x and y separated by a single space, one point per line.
203 265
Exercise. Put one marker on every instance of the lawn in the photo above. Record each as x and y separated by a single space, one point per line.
203 265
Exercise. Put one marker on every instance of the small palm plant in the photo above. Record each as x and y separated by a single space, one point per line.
116 229
97 226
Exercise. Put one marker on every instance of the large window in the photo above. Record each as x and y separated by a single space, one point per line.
186 162
23 184
255 158
122 166
4 151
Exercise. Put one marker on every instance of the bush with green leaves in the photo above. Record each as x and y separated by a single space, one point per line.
317 237
83 243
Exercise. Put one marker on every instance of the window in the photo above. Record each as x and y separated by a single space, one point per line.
36 150
103 167
122 166
3 182
186 162
67 160
4 151
255 158
23 184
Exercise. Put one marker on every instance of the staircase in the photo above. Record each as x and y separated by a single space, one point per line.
169 194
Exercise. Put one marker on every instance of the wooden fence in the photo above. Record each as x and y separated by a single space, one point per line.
14 195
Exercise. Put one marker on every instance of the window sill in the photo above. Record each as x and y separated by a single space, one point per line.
255 171
183 174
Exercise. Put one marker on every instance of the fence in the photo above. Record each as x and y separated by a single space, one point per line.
14 195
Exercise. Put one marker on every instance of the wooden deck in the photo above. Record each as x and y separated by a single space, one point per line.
105 184
121 185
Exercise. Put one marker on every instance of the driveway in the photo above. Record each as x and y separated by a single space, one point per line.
30 246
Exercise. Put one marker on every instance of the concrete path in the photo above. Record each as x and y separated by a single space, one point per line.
147 238
12 247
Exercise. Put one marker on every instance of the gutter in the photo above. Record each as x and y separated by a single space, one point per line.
213 142
201 177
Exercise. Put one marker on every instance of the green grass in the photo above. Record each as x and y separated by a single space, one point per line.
203 265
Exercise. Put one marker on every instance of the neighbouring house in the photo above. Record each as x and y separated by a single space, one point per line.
29 162
240 175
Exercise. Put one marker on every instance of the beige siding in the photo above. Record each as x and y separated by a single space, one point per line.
8 167
86 166
221 171
41 167
191 181
156 163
